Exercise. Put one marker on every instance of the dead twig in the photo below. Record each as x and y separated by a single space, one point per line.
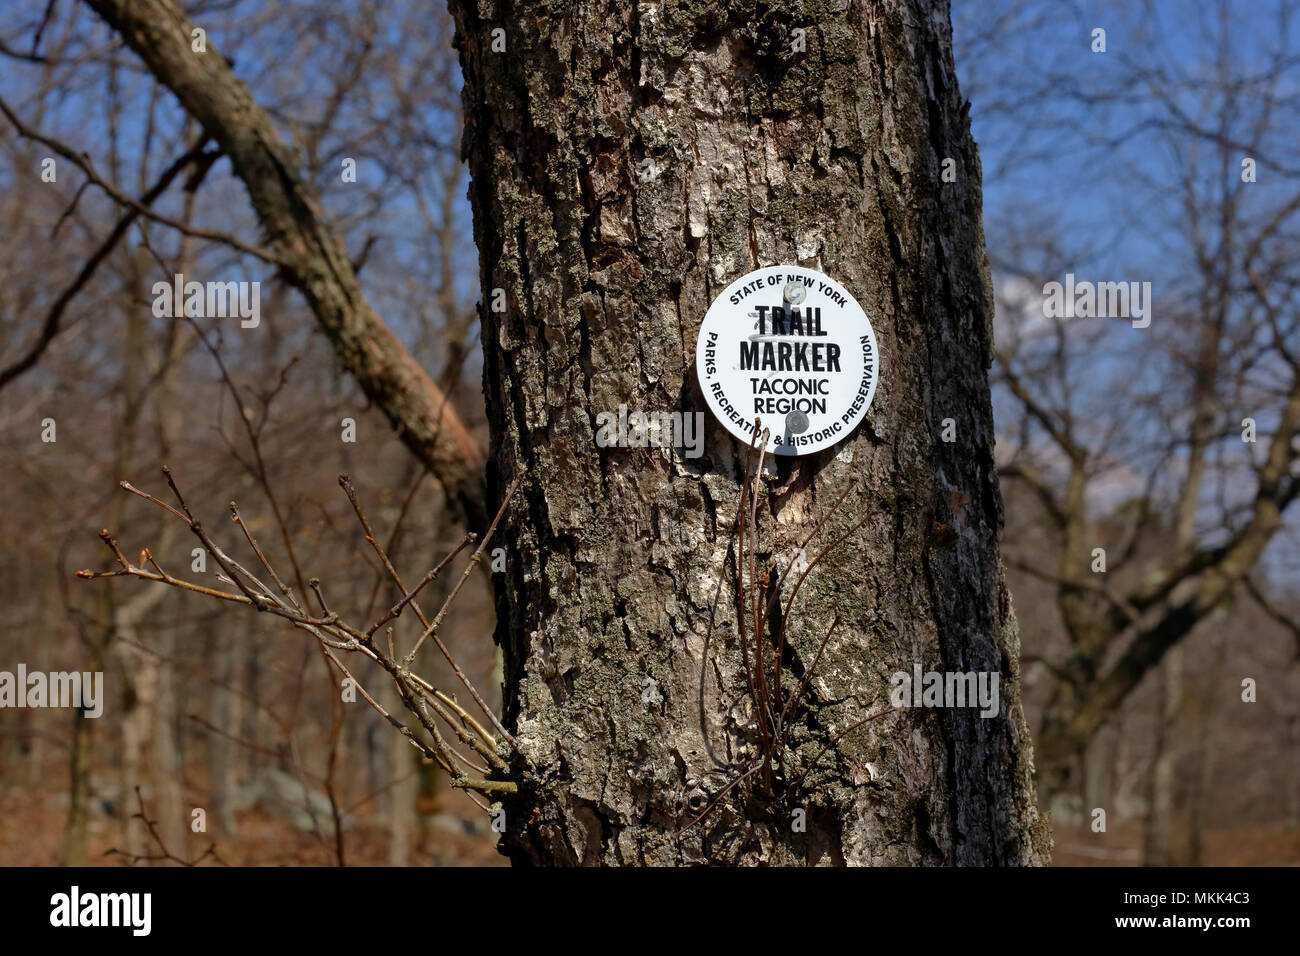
421 698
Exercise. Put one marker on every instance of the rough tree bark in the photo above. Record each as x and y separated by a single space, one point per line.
628 161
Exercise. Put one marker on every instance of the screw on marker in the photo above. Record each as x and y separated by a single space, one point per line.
796 422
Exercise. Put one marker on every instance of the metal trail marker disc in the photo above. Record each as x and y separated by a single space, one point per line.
790 347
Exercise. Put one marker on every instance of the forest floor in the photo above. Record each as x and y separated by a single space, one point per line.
32 821
1121 845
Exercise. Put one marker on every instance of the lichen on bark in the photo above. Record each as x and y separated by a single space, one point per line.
629 161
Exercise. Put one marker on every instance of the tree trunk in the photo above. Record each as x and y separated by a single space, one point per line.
168 764
1201 807
76 831
1291 755
1158 849
400 798
225 717
144 710
628 161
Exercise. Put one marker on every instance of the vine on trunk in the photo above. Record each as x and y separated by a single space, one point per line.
756 599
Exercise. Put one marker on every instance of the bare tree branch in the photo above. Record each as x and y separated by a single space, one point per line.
310 255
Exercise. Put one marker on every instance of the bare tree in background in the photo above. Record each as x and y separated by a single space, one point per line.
1132 440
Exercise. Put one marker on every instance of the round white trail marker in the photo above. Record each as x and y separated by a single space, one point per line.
791 348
